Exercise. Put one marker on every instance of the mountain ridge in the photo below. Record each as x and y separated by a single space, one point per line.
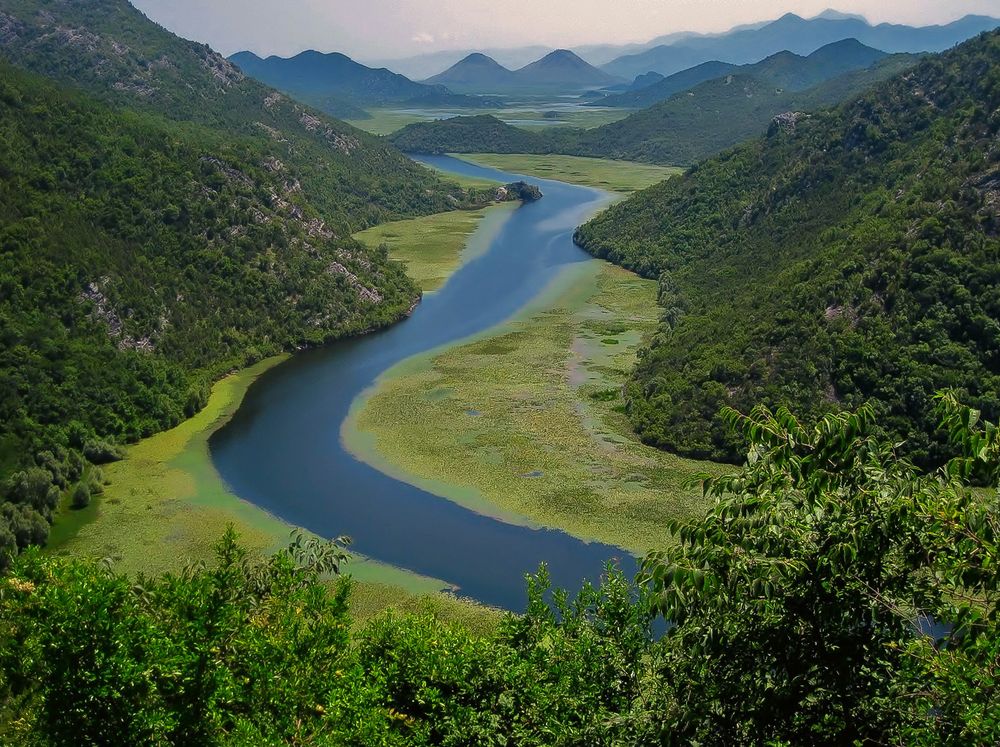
846 256
800 35
321 77
709 117
560 69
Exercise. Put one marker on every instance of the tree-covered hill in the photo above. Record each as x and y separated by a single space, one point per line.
848 256
482 133
112 51
138 258
688 126
167 223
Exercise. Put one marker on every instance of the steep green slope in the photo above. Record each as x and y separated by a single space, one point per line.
181 222
845 257
687 127
138 259
112 51
722 112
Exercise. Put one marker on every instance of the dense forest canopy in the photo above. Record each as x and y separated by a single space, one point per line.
112 51
800 605
169 223
849 255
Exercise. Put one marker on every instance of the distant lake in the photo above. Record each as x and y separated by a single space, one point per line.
283 452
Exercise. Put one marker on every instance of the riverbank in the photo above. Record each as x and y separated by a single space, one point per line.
166 506
533 116
433 247
528 421
167 503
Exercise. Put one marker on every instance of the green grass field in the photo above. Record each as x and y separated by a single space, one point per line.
622 177
434 246
526 422
387 121
166 506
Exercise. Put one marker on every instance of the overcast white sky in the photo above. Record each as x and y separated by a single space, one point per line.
398 28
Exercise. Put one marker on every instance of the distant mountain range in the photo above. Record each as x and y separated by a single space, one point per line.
338 85
694 124
424 66
784 70
561 70
638 97
795 34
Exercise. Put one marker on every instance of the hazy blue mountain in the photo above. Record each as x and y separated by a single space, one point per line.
667 86
333 81
476 72
423 66
558 70
644 81
784 70
562 68
799 35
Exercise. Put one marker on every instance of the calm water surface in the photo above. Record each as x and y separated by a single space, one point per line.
282 451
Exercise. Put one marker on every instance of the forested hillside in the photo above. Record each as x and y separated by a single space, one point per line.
140 259
142 256
689 126
850 255
109 49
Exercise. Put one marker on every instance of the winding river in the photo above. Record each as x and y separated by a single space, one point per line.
283 452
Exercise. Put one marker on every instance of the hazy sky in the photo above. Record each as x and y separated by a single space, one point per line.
383 29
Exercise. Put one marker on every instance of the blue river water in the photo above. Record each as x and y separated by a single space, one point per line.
282 450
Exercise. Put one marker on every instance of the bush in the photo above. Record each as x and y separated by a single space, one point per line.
81 496
28 526
99 451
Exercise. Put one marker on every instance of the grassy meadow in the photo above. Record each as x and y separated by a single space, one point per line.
384 121
528 419
622 177
434 246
